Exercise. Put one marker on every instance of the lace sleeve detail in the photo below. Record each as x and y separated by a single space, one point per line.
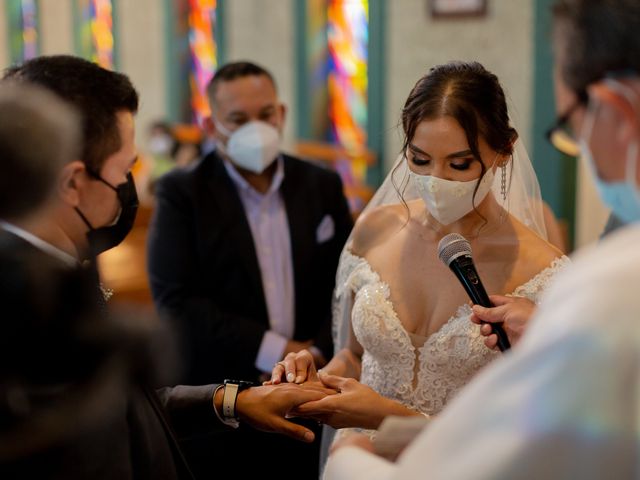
353 271
534 288
348 269
107 293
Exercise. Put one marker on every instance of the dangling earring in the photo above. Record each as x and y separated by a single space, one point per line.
503 182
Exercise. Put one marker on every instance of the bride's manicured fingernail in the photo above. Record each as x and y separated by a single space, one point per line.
290 377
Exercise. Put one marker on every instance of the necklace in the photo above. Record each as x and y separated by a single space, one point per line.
483 228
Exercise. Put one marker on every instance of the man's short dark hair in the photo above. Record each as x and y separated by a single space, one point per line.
97 93
234 70
39 134
596 37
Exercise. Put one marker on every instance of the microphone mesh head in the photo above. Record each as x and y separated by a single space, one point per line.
453 246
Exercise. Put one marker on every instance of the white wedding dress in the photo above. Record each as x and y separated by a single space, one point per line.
423 373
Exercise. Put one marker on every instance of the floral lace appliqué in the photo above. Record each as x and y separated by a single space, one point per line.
447 360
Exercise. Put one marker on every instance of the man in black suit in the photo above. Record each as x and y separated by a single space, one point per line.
76 396
244 245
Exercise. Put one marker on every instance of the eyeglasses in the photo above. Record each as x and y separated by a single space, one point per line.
560 135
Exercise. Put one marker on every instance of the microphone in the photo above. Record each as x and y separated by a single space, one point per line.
455 252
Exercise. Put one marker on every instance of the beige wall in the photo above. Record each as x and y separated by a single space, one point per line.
591 214
140 46
142 57
502 41
263 31
56 27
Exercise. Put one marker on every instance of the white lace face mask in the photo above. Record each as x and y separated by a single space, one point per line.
450 200
254 146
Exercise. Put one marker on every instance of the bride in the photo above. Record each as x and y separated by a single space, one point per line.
401 318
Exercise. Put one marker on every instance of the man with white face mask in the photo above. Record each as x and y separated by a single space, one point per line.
564 402
243 252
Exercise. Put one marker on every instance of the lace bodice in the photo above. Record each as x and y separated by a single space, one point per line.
422 376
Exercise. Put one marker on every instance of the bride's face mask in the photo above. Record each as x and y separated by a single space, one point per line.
450 200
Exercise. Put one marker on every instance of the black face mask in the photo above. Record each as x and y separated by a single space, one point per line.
103 238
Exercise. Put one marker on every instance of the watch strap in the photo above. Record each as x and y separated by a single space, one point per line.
229 400
231 422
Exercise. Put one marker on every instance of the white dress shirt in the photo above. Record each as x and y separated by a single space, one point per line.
269 226
564 403
40 244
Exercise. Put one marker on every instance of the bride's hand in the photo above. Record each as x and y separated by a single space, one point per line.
294 368
356 405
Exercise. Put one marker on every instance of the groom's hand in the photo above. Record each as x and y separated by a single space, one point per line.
356 405
266 407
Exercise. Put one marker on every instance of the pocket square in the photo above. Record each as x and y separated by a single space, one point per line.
325 230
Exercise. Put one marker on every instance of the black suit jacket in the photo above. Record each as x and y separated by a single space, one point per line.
75 400
204 270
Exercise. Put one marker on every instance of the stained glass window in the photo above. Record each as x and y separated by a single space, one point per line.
347 37
202 43
23 32
347 80
94 31
332 53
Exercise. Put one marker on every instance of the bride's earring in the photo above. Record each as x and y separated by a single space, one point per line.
503 182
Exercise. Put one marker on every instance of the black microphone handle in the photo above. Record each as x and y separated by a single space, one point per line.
466 272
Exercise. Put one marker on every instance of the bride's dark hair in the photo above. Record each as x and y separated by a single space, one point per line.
467 92
470 94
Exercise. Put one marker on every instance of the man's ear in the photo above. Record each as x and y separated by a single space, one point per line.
71 180
283 113
620 103
209 126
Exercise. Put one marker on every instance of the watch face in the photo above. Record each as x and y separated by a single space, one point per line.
242 384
